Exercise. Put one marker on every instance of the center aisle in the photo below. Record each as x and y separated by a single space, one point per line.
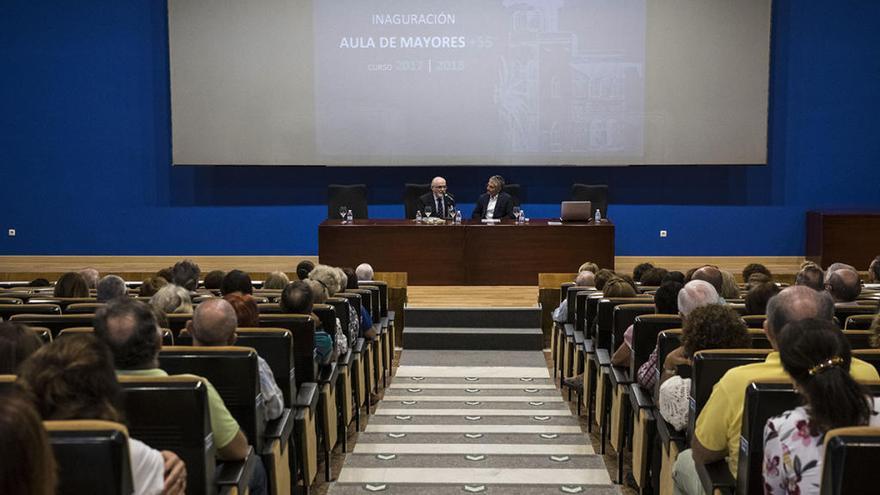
473 422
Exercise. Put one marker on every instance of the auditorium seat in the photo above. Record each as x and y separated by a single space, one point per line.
360 354
598 194
171 413
859 322
7 310
92 457
7 382
353 196
328 378
516 193
83 308
411 194
754 321
851 456
10 300
55 323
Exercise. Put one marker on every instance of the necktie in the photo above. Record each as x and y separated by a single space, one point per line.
440 212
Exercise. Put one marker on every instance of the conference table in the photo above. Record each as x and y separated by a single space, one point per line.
470 253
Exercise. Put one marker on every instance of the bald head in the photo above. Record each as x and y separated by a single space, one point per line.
833 267
710 274
129 328
214 322
797 303
585 279
695 294
364 271
844 285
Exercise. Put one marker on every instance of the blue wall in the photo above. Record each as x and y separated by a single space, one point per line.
85 150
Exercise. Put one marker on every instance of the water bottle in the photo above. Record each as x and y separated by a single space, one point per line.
418 216
349 218
457 219
598 216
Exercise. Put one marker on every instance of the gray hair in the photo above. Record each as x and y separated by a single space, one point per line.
585 279
811 276
341 277
214 322
797 303
695 294
499 180
844 285
327 277
172 299
364 271
319 291
729 288
110 287
276 280
91 275
837 266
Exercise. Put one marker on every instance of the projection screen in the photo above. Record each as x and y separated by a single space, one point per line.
469 82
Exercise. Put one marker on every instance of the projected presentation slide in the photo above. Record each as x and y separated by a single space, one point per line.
499 78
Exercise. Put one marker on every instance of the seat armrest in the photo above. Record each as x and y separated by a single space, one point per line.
568 329
384 321
603 357
390 315
280 428
358 346
329 373
588 346
307 396
640 400
620 376
668 434
345 359
236 474
578 338
716 477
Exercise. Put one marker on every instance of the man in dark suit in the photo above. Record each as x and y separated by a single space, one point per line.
438 199
494 203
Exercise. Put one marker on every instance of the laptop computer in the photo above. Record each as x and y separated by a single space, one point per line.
576 211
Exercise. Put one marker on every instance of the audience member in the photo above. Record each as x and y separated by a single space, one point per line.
246 309
588 266
39 282
71 284
844 285
237 281
214 323
665 303
364 272
757 279
28 466
811 276
618 287
712 275
640 270
17 342
694 294
303 268
753 268
717 433
110 287
129 328
758 297
603 276
729 287
73 379
186 274
837 266
297 298
365 321
91 275
326 276
653 277
674 276
583 279
151 285
276 281
214 279
817 357
714 326
172 299
166 273
874 271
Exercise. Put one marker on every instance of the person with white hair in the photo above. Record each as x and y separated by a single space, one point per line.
172 299
364 272
91 275
693 295
584 279
439 199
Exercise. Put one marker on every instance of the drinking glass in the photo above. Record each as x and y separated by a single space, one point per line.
428 210
343 210
517 213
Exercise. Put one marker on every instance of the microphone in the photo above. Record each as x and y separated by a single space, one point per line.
449 196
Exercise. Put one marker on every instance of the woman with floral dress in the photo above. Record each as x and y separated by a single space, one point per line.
817 356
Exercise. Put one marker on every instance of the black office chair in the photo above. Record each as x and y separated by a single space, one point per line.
354 196
411 193
598 194
516 192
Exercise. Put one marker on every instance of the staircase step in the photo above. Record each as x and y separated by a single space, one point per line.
474 317
473 338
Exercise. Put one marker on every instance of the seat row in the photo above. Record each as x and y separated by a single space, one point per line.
612 399
321 402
